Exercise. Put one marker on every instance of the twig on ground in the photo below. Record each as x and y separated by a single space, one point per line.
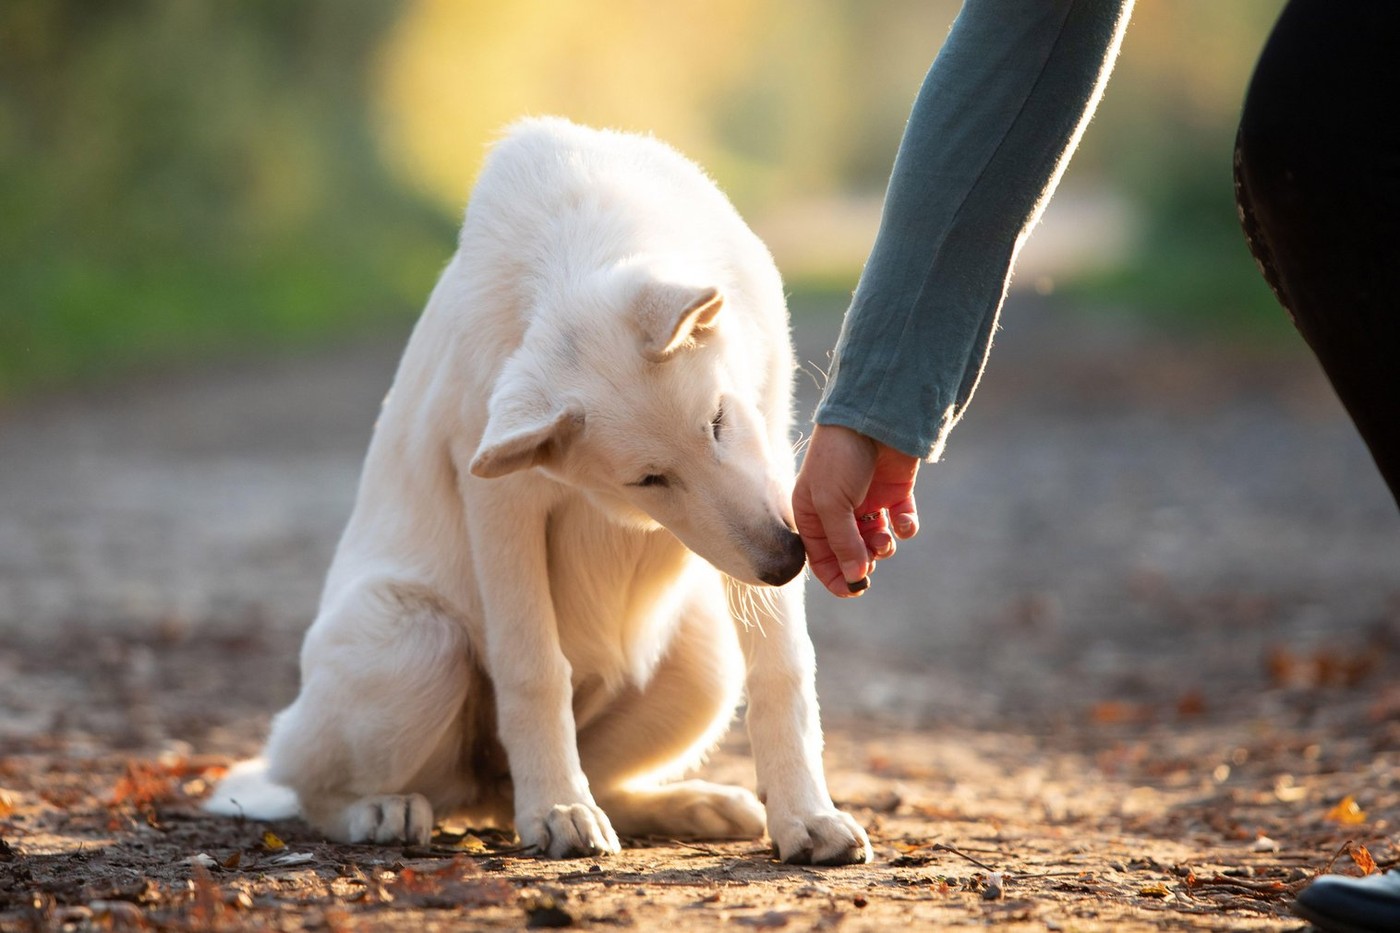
1344 850
941 847
706 850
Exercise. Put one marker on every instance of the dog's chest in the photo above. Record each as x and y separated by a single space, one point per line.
618 594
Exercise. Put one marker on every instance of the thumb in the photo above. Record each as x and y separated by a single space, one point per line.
843 536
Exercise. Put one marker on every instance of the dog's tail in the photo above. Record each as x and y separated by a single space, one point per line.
246 791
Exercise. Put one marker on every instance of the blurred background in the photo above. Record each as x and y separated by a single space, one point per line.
180 182
218 222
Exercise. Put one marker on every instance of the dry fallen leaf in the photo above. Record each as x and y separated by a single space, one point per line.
207 906
1362 857
271 842
1191 705
448 885
1281 666
1155 889
1347 812
472 844
1119 712
145 783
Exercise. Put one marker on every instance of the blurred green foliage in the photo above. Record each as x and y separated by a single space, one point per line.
183 180
1191 270
179 180
1164 140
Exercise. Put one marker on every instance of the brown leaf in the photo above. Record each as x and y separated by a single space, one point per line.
1280 666
1191 705
1346 813
1362 857
208 907
458 883
1117 712
472 844
145 783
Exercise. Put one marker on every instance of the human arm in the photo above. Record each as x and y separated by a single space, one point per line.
992 129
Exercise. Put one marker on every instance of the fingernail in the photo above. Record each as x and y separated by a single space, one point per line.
904 524
884 546
859 586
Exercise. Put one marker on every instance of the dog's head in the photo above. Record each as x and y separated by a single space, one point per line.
632 395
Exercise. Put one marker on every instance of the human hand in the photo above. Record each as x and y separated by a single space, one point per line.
851 493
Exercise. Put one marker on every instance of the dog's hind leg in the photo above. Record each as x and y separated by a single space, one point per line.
648 735
371 743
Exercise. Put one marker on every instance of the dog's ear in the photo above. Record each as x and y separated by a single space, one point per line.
668 314
518 437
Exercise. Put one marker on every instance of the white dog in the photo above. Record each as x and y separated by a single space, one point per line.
516 626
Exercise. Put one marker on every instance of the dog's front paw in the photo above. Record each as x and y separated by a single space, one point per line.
388 818
573 830
827 837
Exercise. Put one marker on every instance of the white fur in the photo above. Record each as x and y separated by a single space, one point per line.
515 627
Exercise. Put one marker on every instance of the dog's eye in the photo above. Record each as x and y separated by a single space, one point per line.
652 479
716 422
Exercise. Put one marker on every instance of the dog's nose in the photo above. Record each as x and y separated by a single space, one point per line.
786 560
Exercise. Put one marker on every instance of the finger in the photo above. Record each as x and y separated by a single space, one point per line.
825 567
880 546
828 574
821 560
904 517
847 545
875 530
873 520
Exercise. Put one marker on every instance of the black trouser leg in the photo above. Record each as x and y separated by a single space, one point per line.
1317 180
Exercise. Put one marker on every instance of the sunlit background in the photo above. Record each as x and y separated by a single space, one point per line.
181 182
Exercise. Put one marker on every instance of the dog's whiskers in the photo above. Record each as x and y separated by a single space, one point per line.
749 604
824 374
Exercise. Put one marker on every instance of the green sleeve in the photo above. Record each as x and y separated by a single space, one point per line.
994 124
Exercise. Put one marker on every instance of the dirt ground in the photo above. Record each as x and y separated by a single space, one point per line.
1138 672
